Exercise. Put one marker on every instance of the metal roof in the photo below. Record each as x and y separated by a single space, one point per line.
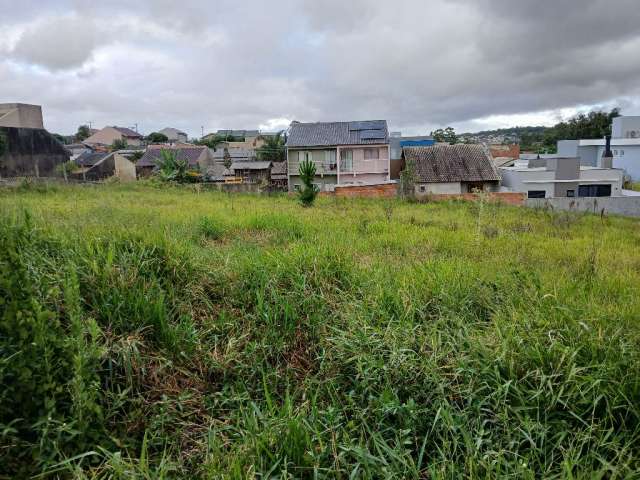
338 133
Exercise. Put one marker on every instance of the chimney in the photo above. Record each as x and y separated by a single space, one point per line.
607 156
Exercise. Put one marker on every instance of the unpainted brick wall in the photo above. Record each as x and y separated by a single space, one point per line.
372 191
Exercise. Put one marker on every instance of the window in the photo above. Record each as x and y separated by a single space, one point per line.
371 154
615 152
536 194
296 187
423 188
329 159
621 153
305 156
571 193
346 160
594 191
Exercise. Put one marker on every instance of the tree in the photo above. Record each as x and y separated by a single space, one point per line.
213 142
226 158
273 148
83 133
157 137
448 135
119 144
309 191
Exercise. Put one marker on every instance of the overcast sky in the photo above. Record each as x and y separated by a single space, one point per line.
420 64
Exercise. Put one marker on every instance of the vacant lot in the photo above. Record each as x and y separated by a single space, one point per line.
171 333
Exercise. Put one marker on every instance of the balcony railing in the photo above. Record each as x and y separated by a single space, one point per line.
322 168
364 166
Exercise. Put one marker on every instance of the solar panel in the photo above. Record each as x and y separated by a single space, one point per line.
371 134
367 125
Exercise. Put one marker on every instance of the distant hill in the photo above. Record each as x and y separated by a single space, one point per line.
504 135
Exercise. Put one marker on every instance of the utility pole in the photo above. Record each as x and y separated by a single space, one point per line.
202 128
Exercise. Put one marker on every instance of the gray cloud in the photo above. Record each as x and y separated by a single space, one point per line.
420 64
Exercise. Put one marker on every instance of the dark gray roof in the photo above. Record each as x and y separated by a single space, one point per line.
250 165
152 155
239 133
451 163
319 134
90 158
234 153
127 132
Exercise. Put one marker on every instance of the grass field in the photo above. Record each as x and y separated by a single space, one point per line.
172 333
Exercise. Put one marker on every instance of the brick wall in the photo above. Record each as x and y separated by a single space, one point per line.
507 151
375 191
510 198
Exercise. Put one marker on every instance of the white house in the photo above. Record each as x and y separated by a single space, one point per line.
561 177
625 146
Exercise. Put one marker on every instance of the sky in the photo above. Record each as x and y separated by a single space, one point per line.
419 64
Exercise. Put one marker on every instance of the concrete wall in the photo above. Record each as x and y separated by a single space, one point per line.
31 152
627 206
626 127
510 198
325 183
125 169
21 115
423 189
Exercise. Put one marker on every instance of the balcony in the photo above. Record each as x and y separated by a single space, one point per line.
322 168
360 166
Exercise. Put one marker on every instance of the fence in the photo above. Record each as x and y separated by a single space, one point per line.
627 206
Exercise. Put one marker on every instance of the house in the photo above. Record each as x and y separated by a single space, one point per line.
77 149
504 153
451 169
21 115
558 177
343 153
197 157
101 165
397 142
238 139
108 135
30 152
174 135
279 175
251 172
625 146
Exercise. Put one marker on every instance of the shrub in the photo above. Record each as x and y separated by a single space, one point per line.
309 191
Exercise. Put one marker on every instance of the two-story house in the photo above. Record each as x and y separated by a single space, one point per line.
343 152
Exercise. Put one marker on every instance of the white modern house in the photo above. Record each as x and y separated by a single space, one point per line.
625 146
562 177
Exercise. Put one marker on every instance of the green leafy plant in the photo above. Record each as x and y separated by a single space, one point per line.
3 143
273 148
157 137
171 168
119 144
309 191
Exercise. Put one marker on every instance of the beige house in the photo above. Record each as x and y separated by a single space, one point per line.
243 139
108 135
21 115
344 153
174 135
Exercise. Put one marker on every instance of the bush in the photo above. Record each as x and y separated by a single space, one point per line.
309 191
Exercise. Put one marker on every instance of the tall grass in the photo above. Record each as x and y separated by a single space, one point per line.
150 333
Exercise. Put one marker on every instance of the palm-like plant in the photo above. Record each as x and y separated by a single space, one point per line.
273 149
309 191
171 168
